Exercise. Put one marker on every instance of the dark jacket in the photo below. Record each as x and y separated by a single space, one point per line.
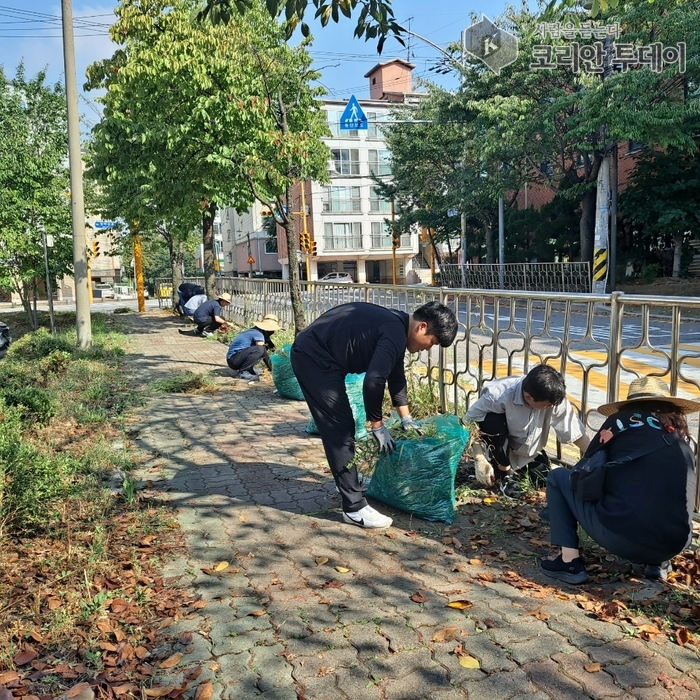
356 338
649 500
189 289
205 312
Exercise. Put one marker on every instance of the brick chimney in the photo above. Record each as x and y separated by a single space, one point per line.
390 80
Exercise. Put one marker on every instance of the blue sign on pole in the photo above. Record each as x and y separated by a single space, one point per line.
353 117
100 225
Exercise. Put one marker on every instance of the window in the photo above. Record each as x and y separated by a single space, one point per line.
380 162
374 129
229 256
635 146
342 199
333 117
381 235
342 236
346 161
270 246
377 204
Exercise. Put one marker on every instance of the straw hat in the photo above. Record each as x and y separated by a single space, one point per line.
649 389
270 323
225 296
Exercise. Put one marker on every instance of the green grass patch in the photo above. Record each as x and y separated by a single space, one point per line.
185 382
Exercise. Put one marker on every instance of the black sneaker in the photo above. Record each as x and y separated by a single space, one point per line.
658 572
539 469
508 484
569 572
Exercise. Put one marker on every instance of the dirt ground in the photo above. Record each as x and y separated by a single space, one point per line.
664 286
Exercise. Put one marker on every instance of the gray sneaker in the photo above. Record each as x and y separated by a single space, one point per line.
248 377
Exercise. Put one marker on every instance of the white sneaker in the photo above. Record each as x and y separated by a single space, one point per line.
248 376
367 517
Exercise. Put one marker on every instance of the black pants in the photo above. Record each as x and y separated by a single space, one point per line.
323 387
567 510
244 360
494 433
208 326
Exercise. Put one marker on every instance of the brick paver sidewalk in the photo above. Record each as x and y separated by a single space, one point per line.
252 489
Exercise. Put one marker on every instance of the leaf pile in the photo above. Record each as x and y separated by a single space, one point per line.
84 613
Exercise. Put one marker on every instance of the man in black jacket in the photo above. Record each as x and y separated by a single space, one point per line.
184 293
352 339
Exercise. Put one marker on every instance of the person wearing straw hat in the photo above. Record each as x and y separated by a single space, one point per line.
643 510
251 346
208 315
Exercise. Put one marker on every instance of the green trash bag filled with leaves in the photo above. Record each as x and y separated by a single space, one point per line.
353 387
419 476
283 375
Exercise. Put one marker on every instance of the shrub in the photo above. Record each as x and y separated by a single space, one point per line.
38 344
32 402
185 382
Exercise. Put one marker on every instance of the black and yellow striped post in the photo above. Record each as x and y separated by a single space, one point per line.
600 265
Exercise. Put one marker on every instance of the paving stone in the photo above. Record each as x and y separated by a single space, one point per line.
572 632
399 634
319 688
400 665
655 693
368 642
597 685
538 648
272 669
490 655
527 629
423 683
317 643
618 653
683 658
641 672
239 680
499 686
320 664
357 683
547 676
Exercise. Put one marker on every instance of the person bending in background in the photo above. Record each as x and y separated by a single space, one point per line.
251 346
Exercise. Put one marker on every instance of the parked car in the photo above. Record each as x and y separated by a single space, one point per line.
337 277
103 291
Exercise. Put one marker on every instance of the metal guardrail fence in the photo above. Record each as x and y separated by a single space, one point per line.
564 277
599 342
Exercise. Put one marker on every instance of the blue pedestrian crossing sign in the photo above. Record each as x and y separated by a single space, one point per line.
353 117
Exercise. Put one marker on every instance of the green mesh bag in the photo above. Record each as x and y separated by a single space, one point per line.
353 386
283 375
419 476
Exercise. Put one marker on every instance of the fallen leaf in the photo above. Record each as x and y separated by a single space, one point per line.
199 604
468 662
475 562
25 656
342 569
459 567
324 601
460 604
119 605
5 694
648 632
256 613
332 584
682 636
486 576
446 634
171 661
488 500
147 540
8 677
53 603
78 689
221 566
593 668
204 691
124 689
159 692
418 598
320 561
141 652
489 623
390 535
185 638
482 542
503 555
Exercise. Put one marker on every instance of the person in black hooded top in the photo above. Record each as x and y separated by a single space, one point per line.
645 512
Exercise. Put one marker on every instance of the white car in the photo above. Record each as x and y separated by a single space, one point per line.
106 291
337 277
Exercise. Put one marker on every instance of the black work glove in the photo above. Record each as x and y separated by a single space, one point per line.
384 440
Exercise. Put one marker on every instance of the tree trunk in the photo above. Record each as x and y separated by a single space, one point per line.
677 252
209 253
25 296
177 256
587 225
294 286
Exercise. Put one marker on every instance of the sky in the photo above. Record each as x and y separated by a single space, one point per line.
30 30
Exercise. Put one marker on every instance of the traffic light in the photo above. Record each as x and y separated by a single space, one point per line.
314 250
304 241
95 249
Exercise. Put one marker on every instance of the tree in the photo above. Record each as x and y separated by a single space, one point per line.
208 114
660 203
376 18
33 185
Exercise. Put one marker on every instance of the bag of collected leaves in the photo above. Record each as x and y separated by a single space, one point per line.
283 375
353 387
419 476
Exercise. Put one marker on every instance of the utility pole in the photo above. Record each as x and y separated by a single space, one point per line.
305 233
393 241
250 257
138 269
613 218
82 301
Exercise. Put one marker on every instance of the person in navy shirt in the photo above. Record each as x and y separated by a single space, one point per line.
251 346
208 315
